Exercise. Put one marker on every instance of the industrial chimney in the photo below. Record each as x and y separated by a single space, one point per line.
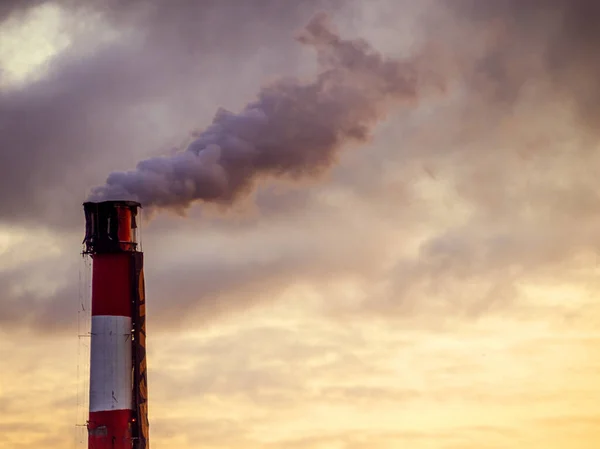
118 407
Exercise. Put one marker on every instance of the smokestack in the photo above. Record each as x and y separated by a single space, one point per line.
118 409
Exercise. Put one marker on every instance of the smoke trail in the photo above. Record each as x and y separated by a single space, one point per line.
292 130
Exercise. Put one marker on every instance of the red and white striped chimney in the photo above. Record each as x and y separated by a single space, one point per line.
118 392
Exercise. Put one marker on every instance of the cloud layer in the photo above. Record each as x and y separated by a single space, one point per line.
123 85
471 174
442 277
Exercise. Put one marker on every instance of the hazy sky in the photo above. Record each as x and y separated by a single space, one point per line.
437 289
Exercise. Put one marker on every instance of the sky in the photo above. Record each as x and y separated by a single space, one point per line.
436 288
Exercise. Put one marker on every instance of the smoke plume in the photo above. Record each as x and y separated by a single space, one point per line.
292 130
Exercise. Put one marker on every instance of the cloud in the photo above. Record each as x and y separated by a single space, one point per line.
256 379
10 8
95 107
443 280
37 310
537 42
468 386
139 79
456 204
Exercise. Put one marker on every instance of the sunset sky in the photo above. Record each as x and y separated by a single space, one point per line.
436 289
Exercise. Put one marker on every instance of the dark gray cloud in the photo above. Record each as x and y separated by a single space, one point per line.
92 110
59 134
538 41
12 8
68 129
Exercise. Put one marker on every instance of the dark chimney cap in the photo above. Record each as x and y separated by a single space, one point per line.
110 226
125 203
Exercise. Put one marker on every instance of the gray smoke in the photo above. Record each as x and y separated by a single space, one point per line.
291 130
